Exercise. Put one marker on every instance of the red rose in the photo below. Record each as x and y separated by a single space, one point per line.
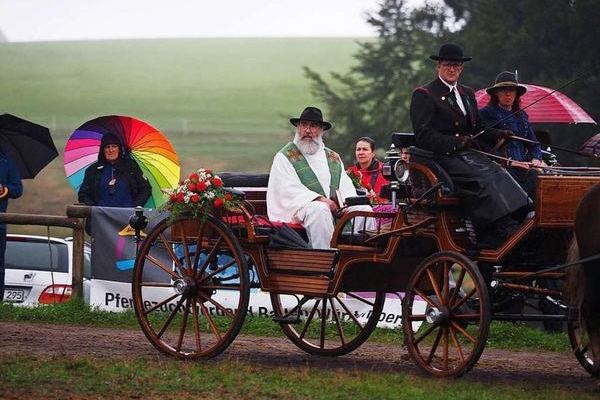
192 187
172 197
217 182
201 186
194 177
228 196
194 198
180 197
218 202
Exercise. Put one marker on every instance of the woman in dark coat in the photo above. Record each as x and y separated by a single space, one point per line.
115 180
503 112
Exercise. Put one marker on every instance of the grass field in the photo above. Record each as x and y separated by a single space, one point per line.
224 103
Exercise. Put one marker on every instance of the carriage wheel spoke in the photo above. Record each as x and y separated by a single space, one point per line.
425 334
217 271
210 256
169 249
458 346
186 313
445 341
156 284
345 307
210 320
196 325
218 305
434 346
323 320
463 331
309 319
464 299
198 249
298 306
457 286
436 289
162 303
170 318
186 254
168 270
360 299
446 289
417 317
338 324
425 297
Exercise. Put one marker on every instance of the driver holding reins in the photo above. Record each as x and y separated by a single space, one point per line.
444 117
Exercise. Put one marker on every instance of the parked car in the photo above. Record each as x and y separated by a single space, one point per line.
39 269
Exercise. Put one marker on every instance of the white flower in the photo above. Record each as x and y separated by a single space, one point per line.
209 195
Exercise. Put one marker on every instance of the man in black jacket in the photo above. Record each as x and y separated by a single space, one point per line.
444 117
115 180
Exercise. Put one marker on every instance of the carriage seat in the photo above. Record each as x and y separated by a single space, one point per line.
427 158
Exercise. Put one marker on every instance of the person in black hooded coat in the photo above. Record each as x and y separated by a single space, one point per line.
115 180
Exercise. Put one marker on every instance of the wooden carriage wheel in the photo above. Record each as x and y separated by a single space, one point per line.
581 345
447 338
191 287
327 326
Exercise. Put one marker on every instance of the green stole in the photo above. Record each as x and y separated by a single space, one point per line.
307 175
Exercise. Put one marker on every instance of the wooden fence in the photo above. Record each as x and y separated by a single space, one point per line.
75 220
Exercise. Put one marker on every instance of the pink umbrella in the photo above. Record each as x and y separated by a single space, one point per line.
556 107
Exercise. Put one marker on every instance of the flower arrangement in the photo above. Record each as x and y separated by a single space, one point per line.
356 177
198 195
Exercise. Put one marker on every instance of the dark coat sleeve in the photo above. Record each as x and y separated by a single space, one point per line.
141 186
87 191
422 113
13 181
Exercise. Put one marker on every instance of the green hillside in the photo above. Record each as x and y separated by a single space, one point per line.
224 103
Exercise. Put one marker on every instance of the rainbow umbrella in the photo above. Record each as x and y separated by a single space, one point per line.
145 144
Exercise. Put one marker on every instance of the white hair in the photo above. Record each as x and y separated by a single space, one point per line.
308 145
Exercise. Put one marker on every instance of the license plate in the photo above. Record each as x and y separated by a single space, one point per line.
14 295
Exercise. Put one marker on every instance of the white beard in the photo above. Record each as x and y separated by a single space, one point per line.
308 146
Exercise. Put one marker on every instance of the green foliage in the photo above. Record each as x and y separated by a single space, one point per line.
373 99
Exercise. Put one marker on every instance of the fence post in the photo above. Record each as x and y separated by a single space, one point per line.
80 212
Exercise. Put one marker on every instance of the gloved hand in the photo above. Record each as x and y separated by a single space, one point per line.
463 143
505 134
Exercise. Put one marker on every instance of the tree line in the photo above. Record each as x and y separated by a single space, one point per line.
549 42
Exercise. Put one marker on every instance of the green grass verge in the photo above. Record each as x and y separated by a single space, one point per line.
170 379
503 335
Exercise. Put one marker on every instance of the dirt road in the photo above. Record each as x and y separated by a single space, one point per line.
538 369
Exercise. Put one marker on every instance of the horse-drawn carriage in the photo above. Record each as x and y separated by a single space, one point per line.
424 251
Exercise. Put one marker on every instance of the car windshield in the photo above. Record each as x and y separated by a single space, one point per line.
37 256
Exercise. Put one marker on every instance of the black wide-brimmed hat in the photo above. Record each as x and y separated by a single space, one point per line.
450 52
506 79
311 114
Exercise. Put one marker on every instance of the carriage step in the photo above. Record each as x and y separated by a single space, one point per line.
289 320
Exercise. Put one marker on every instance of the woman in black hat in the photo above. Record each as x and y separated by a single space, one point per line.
503 112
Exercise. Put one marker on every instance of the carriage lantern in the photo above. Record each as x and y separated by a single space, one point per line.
395 167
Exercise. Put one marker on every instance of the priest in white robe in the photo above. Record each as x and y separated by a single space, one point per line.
304 179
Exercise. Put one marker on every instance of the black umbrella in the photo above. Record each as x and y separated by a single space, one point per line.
29 145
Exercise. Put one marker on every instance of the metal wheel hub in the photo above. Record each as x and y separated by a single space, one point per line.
185 286
437 315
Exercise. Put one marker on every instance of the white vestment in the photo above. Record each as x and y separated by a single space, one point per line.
288 200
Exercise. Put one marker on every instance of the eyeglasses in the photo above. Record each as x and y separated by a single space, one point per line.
451 65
